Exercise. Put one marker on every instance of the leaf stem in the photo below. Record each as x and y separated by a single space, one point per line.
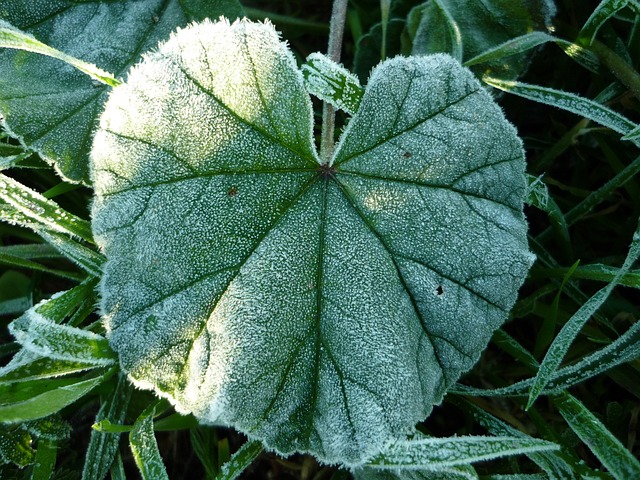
336 31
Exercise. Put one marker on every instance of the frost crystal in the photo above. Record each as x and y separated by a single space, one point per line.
317 308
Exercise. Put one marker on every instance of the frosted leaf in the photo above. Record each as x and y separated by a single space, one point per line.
476 26
317 308
52 107
332 83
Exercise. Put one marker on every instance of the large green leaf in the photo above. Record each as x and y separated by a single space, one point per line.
52 107
318 307
470 27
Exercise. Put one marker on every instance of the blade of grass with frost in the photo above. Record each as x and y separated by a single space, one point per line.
48 402
332 83
84 257
42 336
240 461
103 446
11 37
550 461
143 444
603 12
41 210
437 453
26 366
558 349
619 461
624 349
63 304
566 101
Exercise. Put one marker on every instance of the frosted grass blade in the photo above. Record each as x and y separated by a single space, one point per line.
553 464
38 209
332 83
566 101
240 461
560 345
438 453
26 366
103 446
622 350
11 37
145 449
44 337
87 259
48 402
603 12
614 456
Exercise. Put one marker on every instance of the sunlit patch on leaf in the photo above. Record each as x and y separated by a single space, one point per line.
317 307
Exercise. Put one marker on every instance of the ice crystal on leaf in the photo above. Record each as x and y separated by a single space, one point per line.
317 308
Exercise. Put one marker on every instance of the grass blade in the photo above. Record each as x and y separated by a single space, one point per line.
598 272
45 460
240 461
566 101
87 259
622 350
11 37
614 456
512 47
571 329
103 446
26 366
552 463
145 448
40 210
47 338
603 12
17 262
438 453
48 402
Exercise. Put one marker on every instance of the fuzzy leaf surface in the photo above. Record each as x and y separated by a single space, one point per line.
321 308
52 107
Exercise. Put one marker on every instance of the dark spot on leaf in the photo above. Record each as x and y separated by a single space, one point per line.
407 154
439 290
232 192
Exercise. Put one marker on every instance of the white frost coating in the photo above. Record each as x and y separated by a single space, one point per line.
317 309
44 337
332 83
